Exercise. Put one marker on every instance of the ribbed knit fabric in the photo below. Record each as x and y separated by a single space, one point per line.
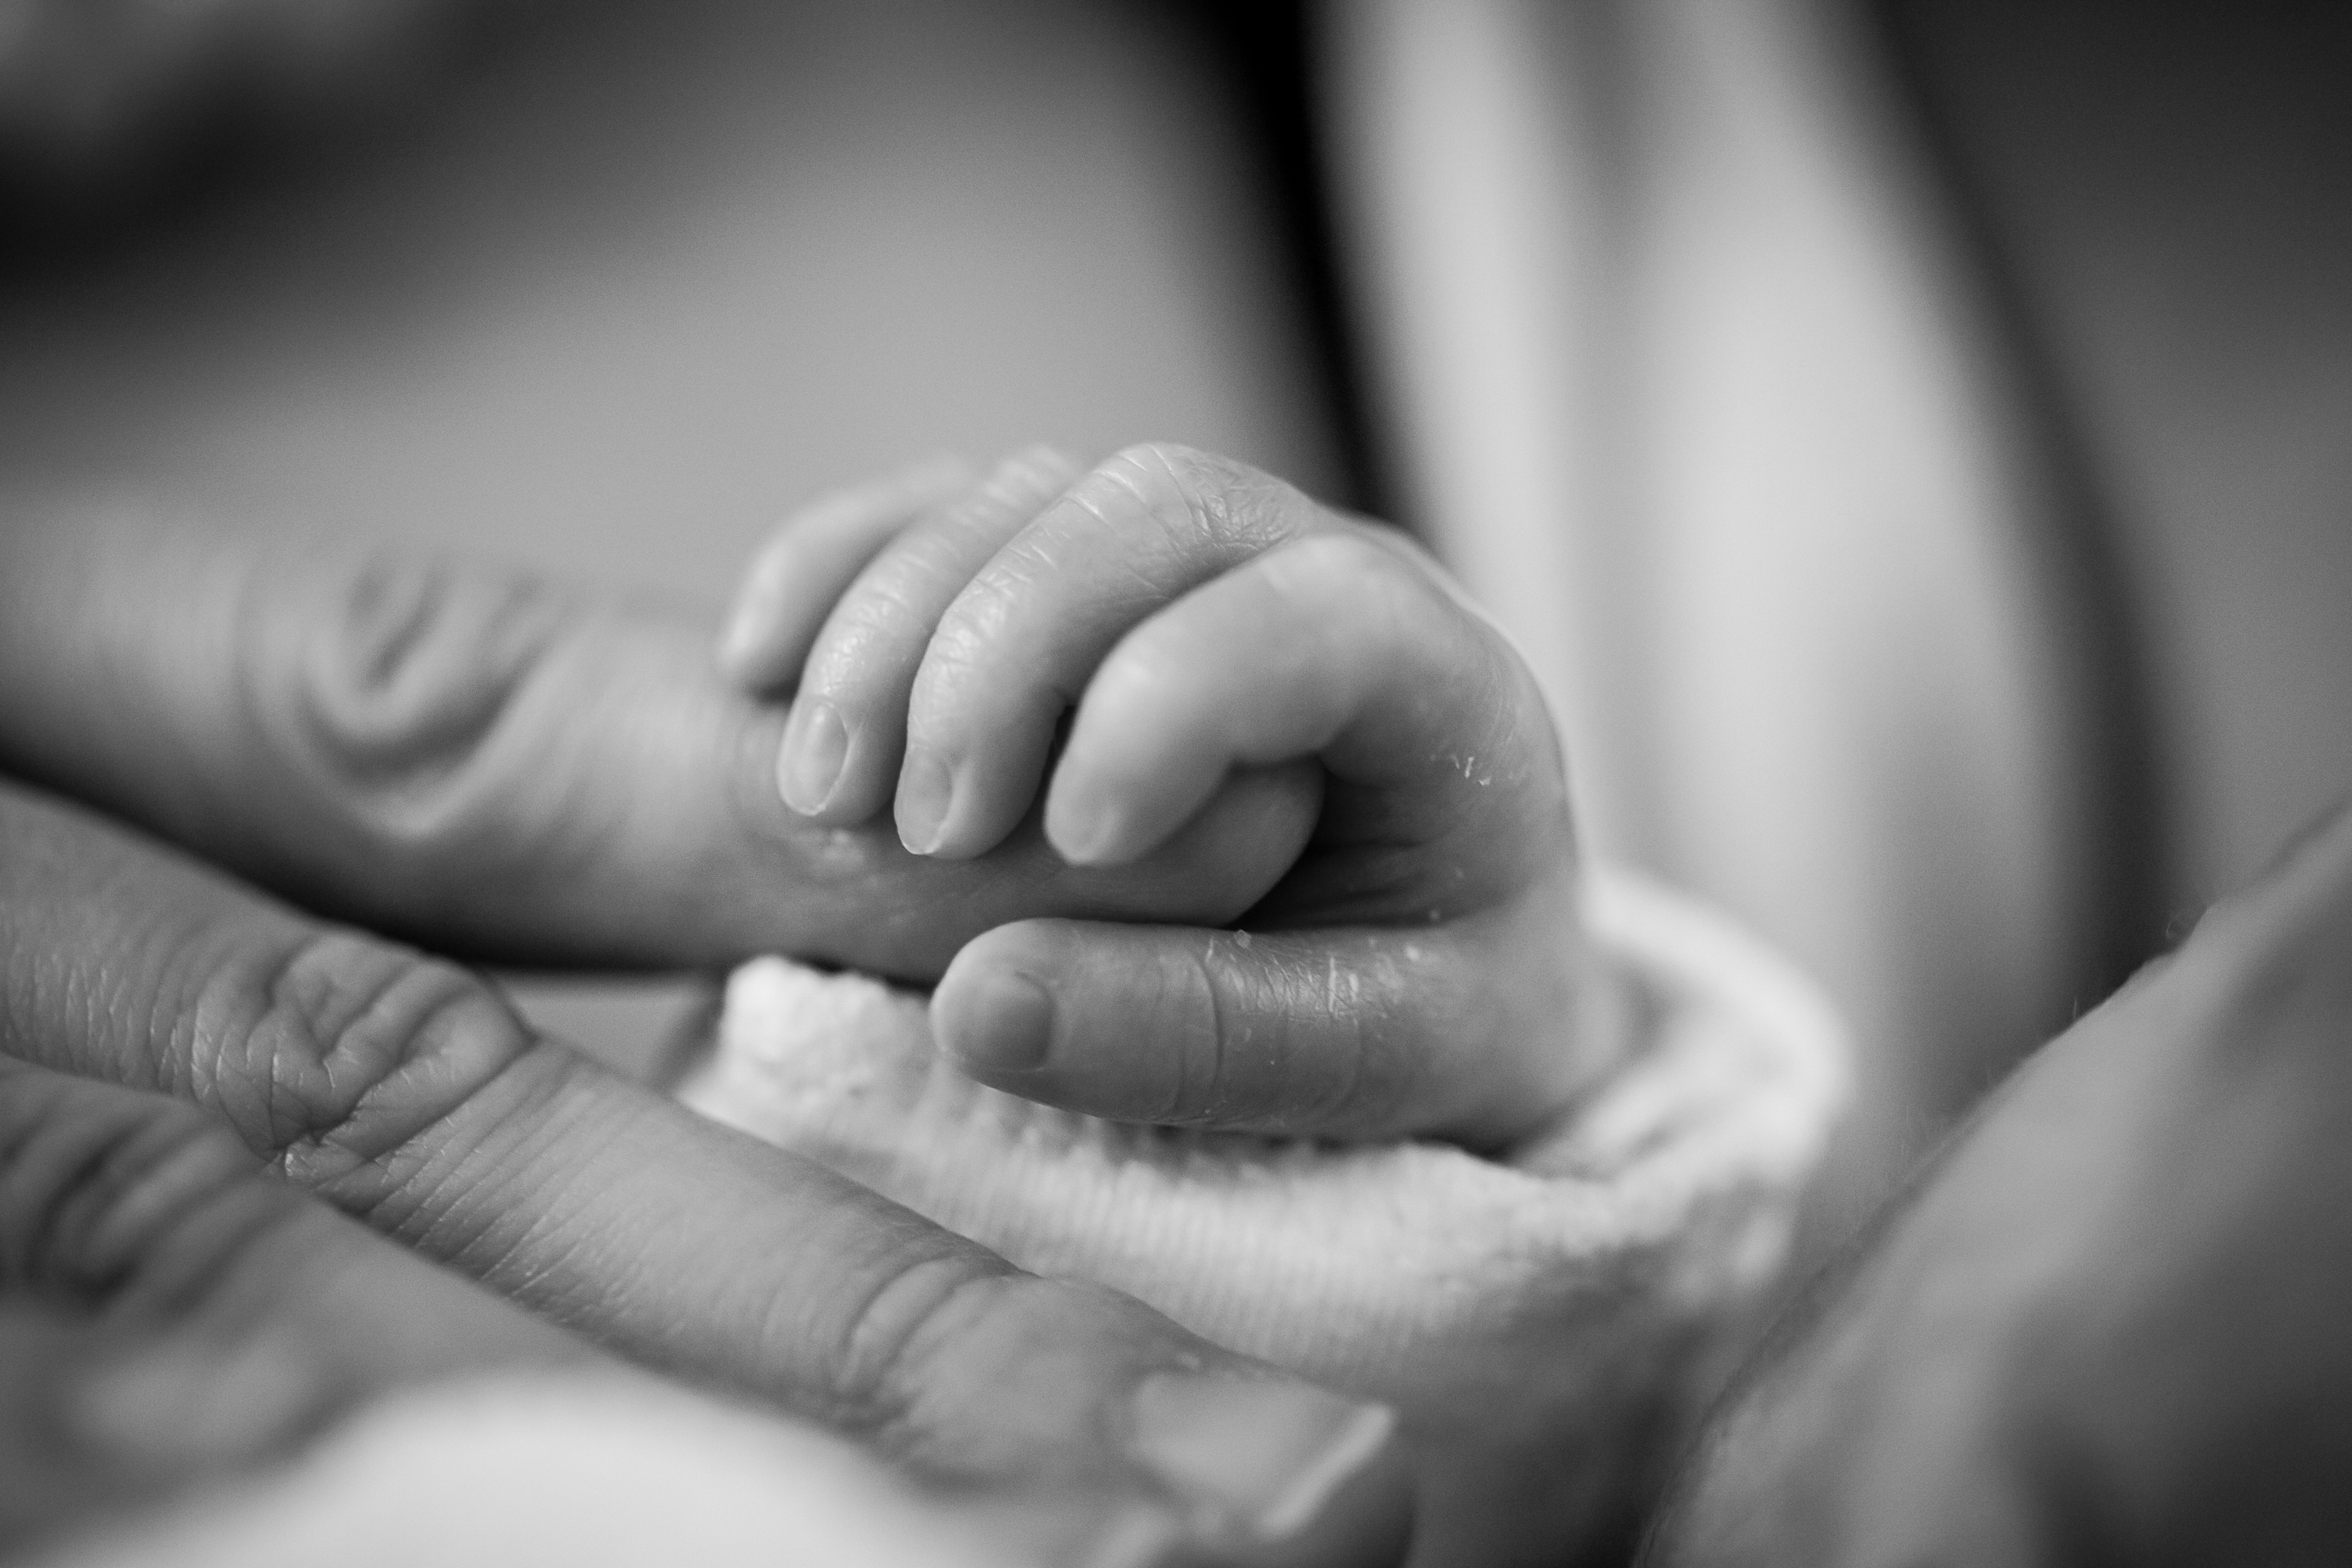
1544 1324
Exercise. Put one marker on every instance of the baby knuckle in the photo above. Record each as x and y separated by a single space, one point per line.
1200 501
971 630
1342 565
874 635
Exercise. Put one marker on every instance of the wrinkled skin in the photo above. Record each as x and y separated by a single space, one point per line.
1115 650
314 1140
2109 1323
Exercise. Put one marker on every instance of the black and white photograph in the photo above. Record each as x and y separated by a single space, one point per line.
1175 783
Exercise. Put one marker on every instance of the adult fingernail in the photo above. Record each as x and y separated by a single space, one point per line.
1003 1023
1265 1461
924 792
808 765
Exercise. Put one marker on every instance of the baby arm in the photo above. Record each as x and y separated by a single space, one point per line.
1186 621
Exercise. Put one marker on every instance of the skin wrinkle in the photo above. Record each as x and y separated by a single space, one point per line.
1342 1099
391 1187
881 607
520 1146
890 1337
395 747
447 997
313 1007
153 1285
425 705
205 986
384 623
1127 473
389 1192
275 989
160 1160
21 1138
1208 505
560 1252
1182 1105
200 1170
561 1195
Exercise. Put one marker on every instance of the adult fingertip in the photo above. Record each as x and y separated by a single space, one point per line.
1271 1471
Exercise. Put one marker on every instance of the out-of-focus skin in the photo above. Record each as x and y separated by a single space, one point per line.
1193 624
168 1315
2108 1325
490 768
93 91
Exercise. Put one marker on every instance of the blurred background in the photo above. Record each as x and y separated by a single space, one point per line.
1912 440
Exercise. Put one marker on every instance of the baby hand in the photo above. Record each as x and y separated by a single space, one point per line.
1416 970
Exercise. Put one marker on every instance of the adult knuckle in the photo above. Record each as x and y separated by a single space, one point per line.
328 1049
402 678
97 1180
1212 989
927 1303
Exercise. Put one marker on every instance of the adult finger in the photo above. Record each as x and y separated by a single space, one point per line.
811 558
404 1092
1346 1034
200 1320
461 756
843 744
195 1317
1331 647
1019 642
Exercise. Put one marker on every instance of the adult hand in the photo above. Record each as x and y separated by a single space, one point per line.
1197 625
172 1319
2108 1324
444 753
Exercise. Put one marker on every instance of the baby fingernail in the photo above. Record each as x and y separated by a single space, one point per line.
1267 1460
1080 828
815 744
1004 1024
924 792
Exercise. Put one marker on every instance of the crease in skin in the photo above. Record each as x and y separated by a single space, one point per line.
401 684
1545 1325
